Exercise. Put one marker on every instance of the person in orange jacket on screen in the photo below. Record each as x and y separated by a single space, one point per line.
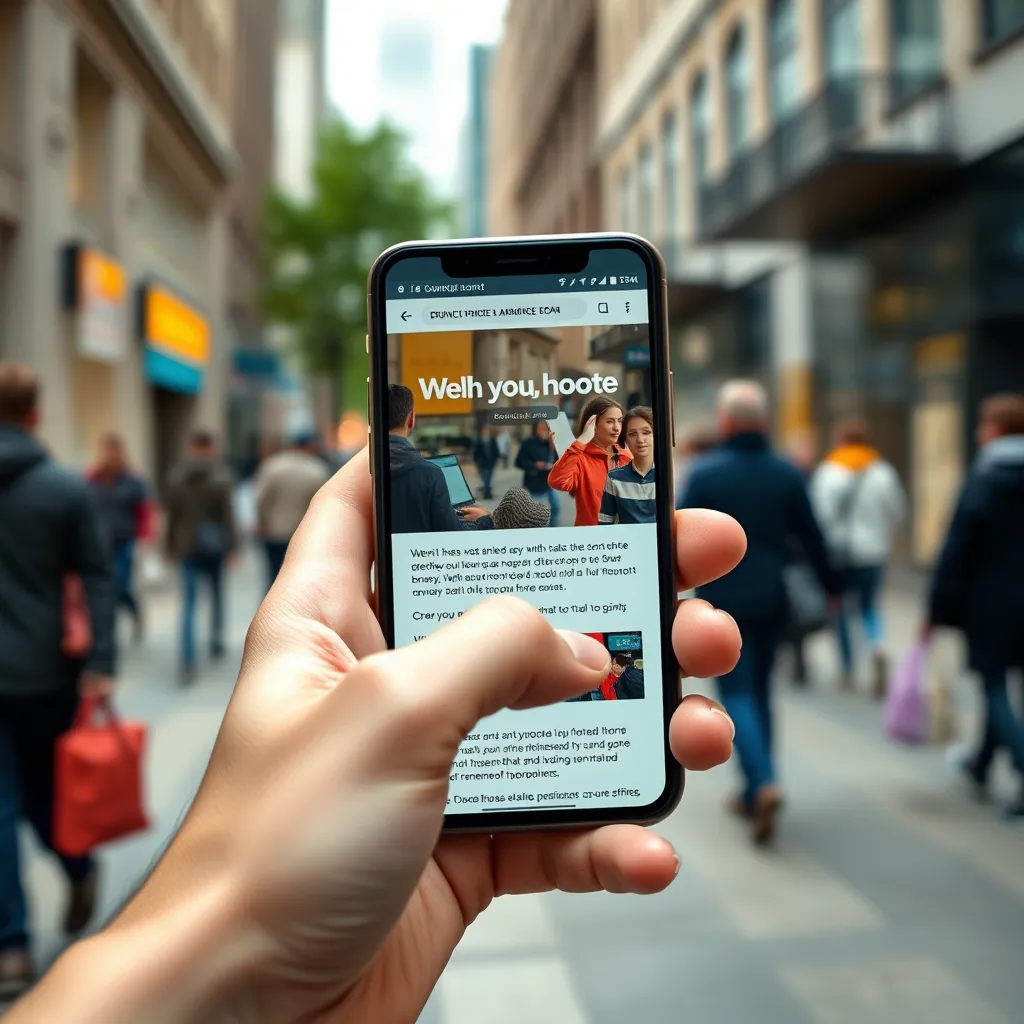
583 468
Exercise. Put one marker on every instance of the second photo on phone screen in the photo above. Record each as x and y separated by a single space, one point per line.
520 457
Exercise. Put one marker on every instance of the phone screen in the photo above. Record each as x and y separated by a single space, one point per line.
538 399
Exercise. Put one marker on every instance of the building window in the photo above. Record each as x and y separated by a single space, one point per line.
842 39
625 200
1001 18
916 46
646 191
783 58
670 175
700 125
737 84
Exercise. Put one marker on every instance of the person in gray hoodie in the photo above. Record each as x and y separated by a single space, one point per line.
50 530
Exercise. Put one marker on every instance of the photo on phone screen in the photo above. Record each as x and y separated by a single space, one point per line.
522 457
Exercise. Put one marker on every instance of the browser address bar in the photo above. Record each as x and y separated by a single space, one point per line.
545 310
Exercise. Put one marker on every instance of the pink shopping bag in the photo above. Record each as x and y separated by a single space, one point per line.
905 717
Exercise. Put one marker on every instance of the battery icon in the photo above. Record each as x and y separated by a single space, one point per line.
612 280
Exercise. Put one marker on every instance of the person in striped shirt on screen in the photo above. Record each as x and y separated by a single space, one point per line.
629 490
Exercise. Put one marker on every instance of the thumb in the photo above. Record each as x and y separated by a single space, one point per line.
500 654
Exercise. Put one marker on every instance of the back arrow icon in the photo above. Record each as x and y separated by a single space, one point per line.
405 316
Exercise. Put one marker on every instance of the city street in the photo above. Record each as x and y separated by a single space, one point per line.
889 898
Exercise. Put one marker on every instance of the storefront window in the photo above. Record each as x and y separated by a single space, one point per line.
842 39
783 59
916 45
670 176
646 191
1002 18
737 78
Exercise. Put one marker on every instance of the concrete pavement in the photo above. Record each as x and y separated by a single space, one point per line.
890 897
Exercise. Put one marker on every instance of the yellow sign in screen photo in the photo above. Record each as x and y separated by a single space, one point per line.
445 354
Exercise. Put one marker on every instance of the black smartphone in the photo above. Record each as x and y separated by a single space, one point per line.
536 371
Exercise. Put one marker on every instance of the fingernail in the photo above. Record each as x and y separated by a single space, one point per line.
679 865
726 615
717 709
586 650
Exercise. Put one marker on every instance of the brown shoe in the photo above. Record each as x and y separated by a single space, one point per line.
880 667
738 806
17 974
767 805
81 904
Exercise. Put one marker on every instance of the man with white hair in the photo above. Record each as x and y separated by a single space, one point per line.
768 496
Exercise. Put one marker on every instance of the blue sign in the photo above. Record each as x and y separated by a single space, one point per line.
636 356
624 642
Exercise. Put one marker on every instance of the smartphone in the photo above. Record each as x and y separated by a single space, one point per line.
535 369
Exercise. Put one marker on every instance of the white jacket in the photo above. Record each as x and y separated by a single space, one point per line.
859 512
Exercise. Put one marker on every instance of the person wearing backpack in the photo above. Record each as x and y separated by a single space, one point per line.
201 537
860 504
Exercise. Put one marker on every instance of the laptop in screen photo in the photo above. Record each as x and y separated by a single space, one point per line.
458 488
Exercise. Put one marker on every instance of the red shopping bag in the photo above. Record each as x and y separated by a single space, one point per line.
98 780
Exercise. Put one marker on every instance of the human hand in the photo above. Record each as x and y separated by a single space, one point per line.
318 887
473 512
95 687
541 465
589 428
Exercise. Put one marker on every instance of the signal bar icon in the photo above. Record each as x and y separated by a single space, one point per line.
604 280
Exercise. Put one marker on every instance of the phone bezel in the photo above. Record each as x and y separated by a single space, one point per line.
509 250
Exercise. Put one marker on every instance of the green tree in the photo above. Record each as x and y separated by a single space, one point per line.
366 196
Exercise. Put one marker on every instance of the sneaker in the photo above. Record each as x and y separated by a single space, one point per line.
767 805
739 807
81 904
17 973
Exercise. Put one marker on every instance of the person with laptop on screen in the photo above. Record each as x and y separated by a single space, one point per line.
420 500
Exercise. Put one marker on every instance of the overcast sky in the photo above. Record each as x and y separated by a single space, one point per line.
409 60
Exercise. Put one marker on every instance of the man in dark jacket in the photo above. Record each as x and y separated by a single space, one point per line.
49 529
768 496
201 536
419 495
629 680
535 458
979 579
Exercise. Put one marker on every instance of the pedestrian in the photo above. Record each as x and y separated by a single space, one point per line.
860 504
535 458
978 587
127 513
310 870
583 467
50 531
201 537
768 496
285 485
629 491
420 501
801 451
504 447
486 455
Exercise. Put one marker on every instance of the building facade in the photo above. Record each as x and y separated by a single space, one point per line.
836 186
474 156
115 160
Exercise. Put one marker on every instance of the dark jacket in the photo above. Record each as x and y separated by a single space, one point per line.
979 579
485 453
200 496
419 495
122 505
532 451
768 497
49 527
630 685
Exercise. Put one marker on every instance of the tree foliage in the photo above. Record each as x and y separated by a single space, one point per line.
366 196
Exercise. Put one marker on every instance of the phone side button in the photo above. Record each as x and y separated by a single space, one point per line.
367 345
369 423
672 405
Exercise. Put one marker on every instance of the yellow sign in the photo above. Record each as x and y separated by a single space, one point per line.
175 327
438 359
100 309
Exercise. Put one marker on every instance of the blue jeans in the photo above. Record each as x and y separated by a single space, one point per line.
275 551
487 476
861 583
29 727
191 573
1003 727
746 694
124 566
550 496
